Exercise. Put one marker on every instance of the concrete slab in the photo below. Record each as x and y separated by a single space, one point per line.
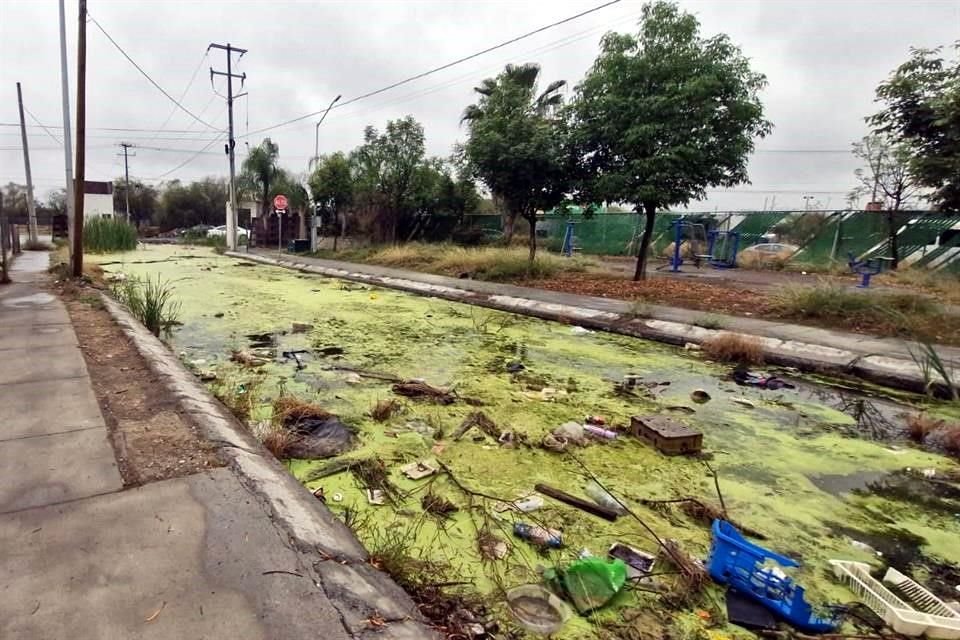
27 336
44 363
11 316
182 558
50 469
54 406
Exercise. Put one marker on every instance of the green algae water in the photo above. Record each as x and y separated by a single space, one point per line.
791 467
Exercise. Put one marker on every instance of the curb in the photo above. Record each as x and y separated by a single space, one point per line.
354 588
896 373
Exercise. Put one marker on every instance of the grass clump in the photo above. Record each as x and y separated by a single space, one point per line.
709 321
945 285
924 429
290 410
733 347
382 410
109 235
276 439
836 303
150 301
240 394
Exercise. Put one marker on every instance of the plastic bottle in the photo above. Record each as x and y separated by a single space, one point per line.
600 432
539 536
602 498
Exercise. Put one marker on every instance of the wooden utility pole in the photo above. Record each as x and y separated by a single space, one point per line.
231 143
78 181
4 277
126 176
31 206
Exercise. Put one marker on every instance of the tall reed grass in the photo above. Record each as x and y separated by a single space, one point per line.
108 235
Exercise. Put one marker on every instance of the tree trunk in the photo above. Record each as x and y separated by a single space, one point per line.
532 240
892 234
641 273
336 229
509 222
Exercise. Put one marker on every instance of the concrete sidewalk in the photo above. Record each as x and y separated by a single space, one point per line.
857 342
194 557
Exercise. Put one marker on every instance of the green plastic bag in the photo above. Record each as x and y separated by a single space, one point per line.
592 582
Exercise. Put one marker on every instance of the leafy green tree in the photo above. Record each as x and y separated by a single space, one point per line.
922 110
387 166
665 114
515 144
57 201
200 202
332 188
143 200
259 171
457 196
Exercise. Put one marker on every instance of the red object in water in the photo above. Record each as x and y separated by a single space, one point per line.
598 420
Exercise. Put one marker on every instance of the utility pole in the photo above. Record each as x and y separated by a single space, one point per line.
231 143
31 207
316 131
126 176
78 183
67 146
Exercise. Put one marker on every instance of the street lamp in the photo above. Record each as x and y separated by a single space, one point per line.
316 137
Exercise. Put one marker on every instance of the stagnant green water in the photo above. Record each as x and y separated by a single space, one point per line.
795 467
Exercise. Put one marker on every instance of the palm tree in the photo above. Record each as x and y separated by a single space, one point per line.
260 171
506 140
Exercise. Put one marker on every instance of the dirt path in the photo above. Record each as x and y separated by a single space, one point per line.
152 439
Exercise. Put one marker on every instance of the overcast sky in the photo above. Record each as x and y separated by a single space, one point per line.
823 60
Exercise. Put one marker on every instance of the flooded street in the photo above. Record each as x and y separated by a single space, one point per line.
812 469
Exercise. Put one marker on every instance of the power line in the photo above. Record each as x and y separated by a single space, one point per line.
55 138
183 94
146 75
190 159
121 129
440 68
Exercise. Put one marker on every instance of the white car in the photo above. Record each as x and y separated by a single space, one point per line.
222 231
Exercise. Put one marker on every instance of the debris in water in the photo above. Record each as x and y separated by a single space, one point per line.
599 495
330 351
590 583
537 610
301 327
579 331
743 402
418 470
478 419
679 408
600 432
515 367
523 504
492 547
667 435
539 536
571 432
438 505
247 359
579 503
639 563
700 396
383 409
295 355
415 389
557 444
762 380
376 497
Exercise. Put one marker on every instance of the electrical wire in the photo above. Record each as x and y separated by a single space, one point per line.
190 159
183 94
35 119
424 74
146 75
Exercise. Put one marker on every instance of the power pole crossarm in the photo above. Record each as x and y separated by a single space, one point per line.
231 143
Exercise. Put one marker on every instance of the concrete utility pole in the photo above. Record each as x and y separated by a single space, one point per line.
126 176
231 143
78 184
67 146
31 206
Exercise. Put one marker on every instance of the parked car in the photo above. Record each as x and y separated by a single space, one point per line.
772 249
222 231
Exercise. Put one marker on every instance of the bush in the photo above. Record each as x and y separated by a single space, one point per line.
107 235
151 302
833 302
733 347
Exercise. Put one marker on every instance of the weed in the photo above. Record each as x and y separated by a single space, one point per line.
494 322
151 302
240 394
383 409
945 285
832 302
929 361
92 300
709 321
290 410
639 309
921 425
108 235
276 438
733 347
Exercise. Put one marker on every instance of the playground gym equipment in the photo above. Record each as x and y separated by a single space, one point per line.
721 246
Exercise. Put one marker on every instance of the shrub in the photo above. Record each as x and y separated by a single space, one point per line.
151 302
709 321
733 347
834 302
107 235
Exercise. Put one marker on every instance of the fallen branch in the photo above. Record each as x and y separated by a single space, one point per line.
412 389
584 505
387 377
478 419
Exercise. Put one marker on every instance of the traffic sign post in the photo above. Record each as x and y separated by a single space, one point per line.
280 202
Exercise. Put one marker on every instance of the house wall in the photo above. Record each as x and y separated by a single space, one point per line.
97 205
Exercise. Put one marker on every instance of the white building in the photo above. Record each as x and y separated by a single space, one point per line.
97 199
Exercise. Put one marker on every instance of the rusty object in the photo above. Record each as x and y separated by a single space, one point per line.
584 505
669 436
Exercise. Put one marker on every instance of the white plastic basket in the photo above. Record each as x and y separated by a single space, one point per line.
898 614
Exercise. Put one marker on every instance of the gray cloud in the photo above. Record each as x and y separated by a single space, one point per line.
823 60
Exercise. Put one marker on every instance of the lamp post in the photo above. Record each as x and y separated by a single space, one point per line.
316 131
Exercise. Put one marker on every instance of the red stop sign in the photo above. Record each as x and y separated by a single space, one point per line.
280 201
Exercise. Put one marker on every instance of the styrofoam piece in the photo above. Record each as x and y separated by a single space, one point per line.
899 615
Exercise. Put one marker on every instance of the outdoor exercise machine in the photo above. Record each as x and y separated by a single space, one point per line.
866 269
568 241
722 246
678 226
